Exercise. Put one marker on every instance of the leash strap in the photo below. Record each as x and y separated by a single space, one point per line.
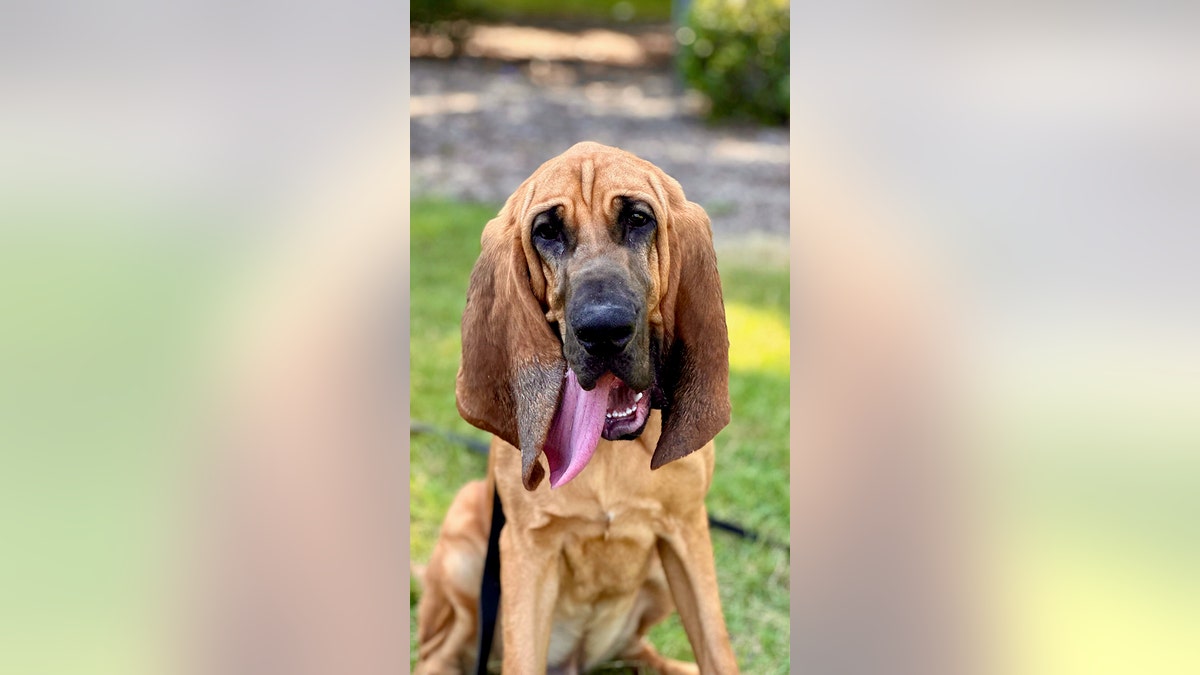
489 589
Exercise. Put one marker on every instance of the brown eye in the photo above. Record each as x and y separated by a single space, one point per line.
548 226
635 220
550 230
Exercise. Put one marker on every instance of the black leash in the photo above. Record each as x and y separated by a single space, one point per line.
489 588
469 442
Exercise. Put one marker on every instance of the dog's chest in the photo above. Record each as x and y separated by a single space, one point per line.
608 554
603 566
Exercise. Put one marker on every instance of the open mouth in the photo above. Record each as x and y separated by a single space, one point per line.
611 409
626 413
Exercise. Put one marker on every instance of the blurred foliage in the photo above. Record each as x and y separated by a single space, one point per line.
448 19
430 12
590 10
736 53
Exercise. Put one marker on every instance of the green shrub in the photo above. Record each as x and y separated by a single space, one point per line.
427 12
736 53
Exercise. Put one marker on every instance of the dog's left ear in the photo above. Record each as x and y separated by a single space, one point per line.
695 346
512 366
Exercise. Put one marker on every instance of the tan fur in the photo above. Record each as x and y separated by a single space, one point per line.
589 567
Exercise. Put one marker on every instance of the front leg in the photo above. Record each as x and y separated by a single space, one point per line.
687 559
529 577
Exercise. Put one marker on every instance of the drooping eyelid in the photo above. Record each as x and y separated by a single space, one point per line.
543 217
547 216
552 209
636 205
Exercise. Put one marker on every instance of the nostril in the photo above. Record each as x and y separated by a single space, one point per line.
615 336
604 329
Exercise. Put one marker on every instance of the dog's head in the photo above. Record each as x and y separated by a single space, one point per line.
595 299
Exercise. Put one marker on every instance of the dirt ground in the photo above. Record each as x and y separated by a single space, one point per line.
481 125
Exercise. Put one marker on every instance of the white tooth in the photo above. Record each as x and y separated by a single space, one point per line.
638 397
608 415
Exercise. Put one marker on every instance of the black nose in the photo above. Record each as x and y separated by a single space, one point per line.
604 328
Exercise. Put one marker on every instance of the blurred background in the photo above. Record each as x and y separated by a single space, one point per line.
156 159
1043 158
701 91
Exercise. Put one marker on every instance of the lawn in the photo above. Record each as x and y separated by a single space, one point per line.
1095 468
751 483
1100 481
97 350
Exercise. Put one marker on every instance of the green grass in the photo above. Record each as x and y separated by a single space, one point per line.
751 483
1100 483
1098 537
99 323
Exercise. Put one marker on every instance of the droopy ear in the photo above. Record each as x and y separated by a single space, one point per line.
512 365
694 375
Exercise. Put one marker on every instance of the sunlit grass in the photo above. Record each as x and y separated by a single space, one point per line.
100 324
758 339
1082 605
1098 550
1098 543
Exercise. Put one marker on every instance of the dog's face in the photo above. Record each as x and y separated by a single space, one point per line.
595 299
599 288
599 294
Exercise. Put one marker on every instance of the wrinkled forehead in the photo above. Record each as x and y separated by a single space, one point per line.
590 182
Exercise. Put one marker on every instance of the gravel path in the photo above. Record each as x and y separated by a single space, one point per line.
480 127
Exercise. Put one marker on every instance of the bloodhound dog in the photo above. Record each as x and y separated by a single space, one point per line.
594 348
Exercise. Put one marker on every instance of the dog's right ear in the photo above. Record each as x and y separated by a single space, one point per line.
512 365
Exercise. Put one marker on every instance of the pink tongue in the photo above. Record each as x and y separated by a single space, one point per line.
576 427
